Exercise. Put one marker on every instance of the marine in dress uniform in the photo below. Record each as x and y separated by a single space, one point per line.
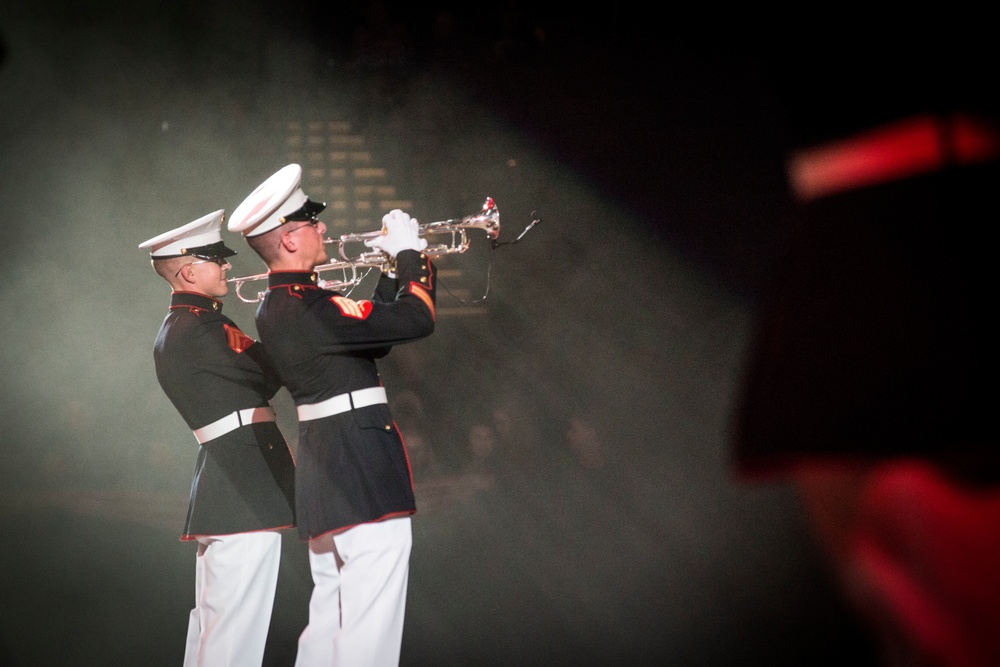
354 489
220 380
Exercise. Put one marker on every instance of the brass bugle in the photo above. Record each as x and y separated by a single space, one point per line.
488 220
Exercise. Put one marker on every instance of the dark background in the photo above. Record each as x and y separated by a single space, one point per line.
603 521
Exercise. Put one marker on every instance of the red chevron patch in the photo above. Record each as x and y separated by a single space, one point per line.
359 310
418 290
237 340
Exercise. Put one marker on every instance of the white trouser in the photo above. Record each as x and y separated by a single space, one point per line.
359 596
234 594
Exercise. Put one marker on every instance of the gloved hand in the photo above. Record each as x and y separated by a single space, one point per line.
402 233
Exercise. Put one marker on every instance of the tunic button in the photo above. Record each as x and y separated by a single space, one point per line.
270 445
296 288
388 427
423 279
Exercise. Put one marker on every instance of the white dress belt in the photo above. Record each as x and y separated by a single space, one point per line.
342 403
233 421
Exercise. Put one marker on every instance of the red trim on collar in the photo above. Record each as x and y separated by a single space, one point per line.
204 296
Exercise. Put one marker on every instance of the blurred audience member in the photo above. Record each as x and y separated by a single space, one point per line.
868 384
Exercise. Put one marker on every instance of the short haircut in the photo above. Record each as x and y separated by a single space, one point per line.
168 268
266 245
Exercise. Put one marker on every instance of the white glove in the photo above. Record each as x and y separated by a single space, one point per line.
401 233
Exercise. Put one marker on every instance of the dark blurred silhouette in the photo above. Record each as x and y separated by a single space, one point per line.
869 381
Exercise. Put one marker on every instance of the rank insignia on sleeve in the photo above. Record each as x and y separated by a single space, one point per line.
237 340
419 291
359 310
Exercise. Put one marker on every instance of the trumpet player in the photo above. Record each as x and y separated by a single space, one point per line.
220 381
354 489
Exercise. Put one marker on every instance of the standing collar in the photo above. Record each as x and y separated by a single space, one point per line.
281 278
195 300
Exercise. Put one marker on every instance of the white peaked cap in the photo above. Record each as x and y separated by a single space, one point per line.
264 209
199 237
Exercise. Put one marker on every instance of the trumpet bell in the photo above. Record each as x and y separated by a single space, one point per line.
488 221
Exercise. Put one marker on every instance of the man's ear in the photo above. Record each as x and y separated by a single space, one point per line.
289 242
186 274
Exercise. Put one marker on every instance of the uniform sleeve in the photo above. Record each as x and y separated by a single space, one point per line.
227 353
205 365
406 314
272 381
385 290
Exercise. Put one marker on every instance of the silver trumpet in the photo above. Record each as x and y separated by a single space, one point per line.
488 220
350 277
